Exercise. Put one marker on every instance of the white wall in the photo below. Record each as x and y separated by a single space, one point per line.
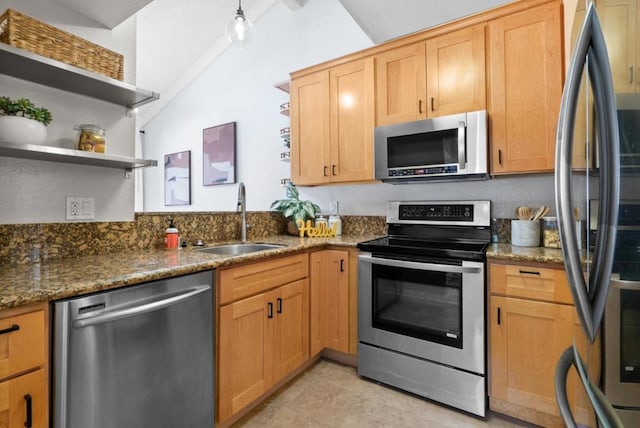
238 86
35 191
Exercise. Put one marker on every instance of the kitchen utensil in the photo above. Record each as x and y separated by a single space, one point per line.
539 213
523 213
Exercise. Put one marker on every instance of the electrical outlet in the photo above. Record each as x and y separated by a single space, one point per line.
80 208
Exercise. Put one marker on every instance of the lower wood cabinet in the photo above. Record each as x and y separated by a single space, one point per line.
265 336
23 401
530 325
24 367
329 271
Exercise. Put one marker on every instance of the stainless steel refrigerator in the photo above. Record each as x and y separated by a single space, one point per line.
600 111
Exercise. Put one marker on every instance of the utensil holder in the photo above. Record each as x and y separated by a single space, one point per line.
525 233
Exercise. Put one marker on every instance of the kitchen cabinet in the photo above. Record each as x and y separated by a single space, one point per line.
263 329
401 80
329 301
620 20
531 322
444 75
34 68
456 72
525 66
310 129
332 120
24 367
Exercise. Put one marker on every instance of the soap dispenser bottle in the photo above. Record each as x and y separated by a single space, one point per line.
171 236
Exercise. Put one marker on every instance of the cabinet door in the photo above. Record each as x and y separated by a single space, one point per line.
456 72
291 341
24 397
401 85
527 339
526 77
330 301
317 296
352 121
245 352
310 129
619 23
336 297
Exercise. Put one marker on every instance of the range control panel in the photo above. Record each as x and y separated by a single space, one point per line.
448 212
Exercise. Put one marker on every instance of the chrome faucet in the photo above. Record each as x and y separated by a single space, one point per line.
242 207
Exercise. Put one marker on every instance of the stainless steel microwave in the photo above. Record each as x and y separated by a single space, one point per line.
443 148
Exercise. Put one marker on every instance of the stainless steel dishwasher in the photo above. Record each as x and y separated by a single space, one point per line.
140 356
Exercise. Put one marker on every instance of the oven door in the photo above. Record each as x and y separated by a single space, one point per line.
427 310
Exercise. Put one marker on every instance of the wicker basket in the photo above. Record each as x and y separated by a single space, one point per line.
22 31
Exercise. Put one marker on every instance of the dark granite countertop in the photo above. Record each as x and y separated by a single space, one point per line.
27 284
513 253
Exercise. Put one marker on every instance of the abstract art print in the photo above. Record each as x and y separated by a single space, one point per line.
219 154
177 178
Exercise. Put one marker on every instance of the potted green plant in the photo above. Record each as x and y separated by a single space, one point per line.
21 122
294 209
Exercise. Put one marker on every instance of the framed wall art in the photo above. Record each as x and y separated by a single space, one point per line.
219 154
177 178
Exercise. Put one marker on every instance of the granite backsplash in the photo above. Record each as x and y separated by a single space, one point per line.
32 243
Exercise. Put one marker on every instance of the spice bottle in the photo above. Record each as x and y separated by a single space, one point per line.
171 236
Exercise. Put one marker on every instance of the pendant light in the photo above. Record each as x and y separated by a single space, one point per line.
239 28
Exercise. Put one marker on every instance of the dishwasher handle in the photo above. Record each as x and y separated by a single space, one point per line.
418 265
108 316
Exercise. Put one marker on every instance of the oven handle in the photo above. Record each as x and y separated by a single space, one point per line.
418 265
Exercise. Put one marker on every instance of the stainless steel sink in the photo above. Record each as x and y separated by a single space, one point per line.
237 249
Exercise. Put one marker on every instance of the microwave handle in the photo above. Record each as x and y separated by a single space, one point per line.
462 150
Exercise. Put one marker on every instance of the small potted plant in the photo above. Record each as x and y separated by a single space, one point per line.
294 209
21 122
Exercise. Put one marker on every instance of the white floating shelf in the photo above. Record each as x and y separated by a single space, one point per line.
79 157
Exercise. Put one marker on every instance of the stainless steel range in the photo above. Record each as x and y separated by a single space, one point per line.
421 302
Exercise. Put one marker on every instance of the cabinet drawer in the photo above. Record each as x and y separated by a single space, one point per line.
529 282
22 342
239 282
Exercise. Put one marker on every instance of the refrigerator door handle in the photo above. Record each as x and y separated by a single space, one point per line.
590 48
605 413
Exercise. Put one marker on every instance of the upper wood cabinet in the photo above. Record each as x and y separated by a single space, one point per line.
310 129
444 75
332 120
525 63
620 25
401 79
456 72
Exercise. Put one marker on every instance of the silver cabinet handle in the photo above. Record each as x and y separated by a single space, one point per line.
418 265
108 316
589 304
631 74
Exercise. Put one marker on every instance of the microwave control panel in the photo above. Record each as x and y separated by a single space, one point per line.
436 170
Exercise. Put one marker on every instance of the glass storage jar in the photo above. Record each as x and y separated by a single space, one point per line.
91 138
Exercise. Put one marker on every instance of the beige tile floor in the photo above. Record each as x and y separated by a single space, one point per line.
332 395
